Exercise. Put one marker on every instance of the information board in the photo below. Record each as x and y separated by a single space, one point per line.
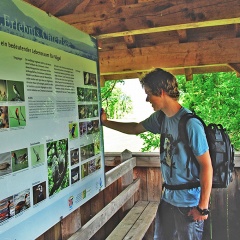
51 152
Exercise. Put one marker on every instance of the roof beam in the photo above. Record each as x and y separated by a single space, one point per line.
188 74
155 16
130 41
182 55
235 67
170 28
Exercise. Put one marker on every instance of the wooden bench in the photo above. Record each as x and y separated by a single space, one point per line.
139 216
136 223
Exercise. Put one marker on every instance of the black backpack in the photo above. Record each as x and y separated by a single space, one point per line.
220 148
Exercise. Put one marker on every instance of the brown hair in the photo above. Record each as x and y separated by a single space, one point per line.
158 80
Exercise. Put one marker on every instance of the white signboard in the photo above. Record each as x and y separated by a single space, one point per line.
51 152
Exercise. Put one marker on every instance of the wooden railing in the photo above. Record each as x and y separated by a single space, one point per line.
223 223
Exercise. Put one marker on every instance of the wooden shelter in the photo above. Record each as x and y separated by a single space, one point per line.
182 36
134 36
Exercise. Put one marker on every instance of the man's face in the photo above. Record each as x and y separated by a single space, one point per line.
156 101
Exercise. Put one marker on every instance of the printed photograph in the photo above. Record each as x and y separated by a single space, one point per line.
6 209
22 201
97 147
82 128
39 193
73 130
5 163
58 172
84 170
86 94
98 163
37 155
75 175
74 155
82 112
90 79
17 116
4 121
19 159
3 90
15 91
87 151
91 166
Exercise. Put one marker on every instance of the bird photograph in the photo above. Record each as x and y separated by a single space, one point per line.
73 130
4 121
17 116
37 154
22 201
15 91
58 171
3 90
74 156
39 193
6 209
75 175
5 163
19 159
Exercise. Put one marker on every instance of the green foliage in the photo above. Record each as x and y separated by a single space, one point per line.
215 98
114 101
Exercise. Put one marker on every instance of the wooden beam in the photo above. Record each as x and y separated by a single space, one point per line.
102 81
130 41
81 7
175 71
93 225
235 67
120 170
237 29
182 55
155 16
188 74
182 34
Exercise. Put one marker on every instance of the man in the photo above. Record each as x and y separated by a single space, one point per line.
182 211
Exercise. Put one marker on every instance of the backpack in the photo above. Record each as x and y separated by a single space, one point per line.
220 148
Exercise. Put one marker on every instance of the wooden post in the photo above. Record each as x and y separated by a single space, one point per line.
71 224
127 179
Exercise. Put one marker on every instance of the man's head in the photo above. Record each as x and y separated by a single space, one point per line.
159 80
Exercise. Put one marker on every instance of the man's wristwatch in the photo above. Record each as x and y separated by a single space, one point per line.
203 211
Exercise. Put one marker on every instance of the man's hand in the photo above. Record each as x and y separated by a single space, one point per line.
196 216
103 116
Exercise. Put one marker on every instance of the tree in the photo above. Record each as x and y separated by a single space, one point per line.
215 97
116 103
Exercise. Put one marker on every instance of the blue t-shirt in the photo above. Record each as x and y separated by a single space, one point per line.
174 158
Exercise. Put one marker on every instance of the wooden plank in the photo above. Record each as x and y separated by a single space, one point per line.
141 226
127 179
219 211
109 194
119 171
85 210
126 224
237 160
233 208
97 204
189 54
54 232
141 161
155 16
70 224
93 225
141 173
154 184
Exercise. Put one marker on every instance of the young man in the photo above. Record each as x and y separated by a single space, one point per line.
184 206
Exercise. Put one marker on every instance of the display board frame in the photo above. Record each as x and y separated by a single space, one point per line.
52 153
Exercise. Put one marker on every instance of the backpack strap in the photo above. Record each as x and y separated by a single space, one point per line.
183 135
161 119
